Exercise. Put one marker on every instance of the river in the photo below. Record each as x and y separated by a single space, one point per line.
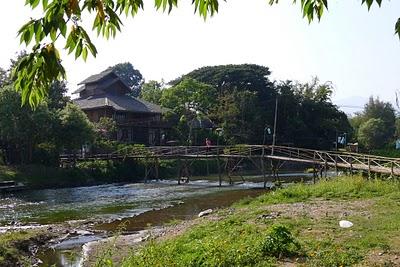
136 205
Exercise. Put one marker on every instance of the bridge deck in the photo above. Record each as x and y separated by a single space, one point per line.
344 160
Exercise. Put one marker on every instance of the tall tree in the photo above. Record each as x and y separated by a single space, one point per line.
307 117
152 91
36 72
371 134
244 87
57 98
6 74
4 79
75 128
190 101
378 110
21 129
131 76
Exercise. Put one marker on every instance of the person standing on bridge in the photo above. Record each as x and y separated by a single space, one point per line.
208 144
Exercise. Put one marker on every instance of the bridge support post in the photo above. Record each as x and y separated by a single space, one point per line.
156 169
351 166
315 174
336 166
187 171
369 168
314 170
219 168
179 171
392 170
145 172
208 167
263 167
325 167
228 169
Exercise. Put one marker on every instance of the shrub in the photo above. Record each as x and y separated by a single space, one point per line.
280 243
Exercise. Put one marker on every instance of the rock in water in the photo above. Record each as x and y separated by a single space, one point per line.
205 212
345 224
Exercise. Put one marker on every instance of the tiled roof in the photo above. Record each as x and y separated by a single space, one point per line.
118 102
98 77
80 89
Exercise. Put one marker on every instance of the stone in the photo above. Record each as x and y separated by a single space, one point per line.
83 232
345 224
205 213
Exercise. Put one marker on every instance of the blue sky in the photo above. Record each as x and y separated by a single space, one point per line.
355 49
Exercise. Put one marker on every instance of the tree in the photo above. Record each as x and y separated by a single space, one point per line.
227 78
22 129
189 95
75 128
4 80
376 109
189 100
37 70
106 127
6 75
57 98
131 76
371 134
309 117
239 116
152 91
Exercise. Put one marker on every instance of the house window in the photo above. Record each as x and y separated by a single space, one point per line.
125 136
120 116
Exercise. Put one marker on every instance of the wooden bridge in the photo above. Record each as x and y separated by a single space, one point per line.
259 155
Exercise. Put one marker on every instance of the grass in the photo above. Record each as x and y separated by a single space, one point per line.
310 236
14 246
7 173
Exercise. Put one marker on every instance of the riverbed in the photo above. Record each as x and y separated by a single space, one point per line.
104 209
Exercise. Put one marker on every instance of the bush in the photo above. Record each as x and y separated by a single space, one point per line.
280 243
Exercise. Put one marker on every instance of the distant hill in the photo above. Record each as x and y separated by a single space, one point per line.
352 104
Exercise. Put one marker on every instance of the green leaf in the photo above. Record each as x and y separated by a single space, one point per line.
53 34
397 27
45 3
63 29
84 53
78 49
35 3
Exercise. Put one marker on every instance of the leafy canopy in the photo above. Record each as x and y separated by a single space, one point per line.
365 124
64 18
131 76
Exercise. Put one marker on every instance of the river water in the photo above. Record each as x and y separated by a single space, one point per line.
135 205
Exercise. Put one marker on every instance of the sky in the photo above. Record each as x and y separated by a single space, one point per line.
354 49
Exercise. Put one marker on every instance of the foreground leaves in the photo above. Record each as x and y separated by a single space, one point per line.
38 69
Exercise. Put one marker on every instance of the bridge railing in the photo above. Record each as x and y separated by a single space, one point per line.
352 161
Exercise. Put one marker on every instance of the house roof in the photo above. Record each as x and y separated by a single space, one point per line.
98 77
80 89
119 103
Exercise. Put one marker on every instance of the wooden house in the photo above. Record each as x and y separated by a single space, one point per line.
106 95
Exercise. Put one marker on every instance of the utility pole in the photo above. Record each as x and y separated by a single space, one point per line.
275 119
336 141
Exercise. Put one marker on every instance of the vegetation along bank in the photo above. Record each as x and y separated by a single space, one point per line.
294 226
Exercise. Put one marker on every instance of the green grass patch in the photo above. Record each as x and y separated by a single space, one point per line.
243 238
340 188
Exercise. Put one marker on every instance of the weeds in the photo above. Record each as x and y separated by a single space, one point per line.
280 243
